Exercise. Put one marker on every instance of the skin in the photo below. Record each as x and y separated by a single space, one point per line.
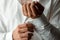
32 10
22 32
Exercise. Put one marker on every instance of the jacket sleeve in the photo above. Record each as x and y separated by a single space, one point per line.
6 36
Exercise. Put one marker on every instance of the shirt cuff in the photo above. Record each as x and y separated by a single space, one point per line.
9 36
39 22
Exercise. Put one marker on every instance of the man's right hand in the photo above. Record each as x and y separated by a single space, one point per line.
32 10
21 32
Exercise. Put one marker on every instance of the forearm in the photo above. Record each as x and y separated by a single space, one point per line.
42 24
55 32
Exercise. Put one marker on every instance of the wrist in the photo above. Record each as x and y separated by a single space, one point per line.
42 20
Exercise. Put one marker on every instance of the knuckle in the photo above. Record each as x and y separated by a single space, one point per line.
26 24
28 4
29 14
24 38
24 4
24 35
34 16
23 30
32 4
36 2
25 14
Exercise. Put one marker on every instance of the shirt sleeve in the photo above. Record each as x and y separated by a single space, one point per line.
44 29
40 21
6 36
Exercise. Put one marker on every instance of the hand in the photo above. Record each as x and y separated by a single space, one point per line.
32 10
22 32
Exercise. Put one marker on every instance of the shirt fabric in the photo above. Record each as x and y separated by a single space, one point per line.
11 16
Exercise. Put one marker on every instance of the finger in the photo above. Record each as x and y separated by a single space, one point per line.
23 30
26 25
29 10
22 26
39 7
23 10
24 7
30 25
24 35
17 39
30 36
30 30
34 10
24 38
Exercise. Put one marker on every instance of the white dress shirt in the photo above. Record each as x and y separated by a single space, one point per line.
11 16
